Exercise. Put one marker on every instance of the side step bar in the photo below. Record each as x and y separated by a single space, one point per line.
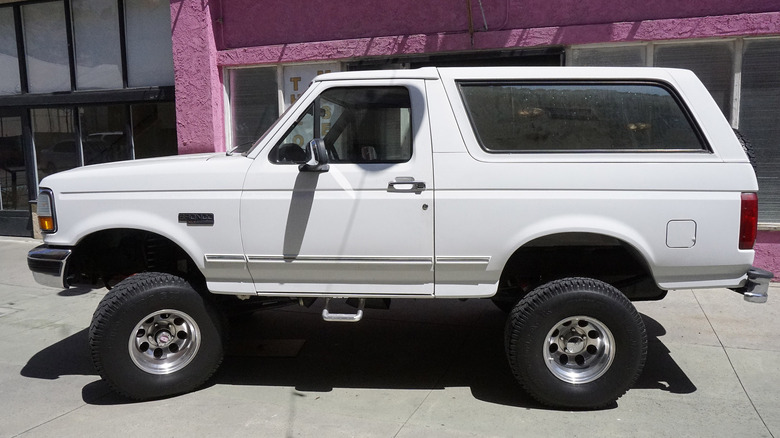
343 317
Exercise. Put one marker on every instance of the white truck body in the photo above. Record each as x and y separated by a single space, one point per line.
431 183
354 238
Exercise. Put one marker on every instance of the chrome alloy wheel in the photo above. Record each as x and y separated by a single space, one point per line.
164 342
579 349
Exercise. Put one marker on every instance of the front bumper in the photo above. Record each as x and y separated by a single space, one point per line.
756 288
48 265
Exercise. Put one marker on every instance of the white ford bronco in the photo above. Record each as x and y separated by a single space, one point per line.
562 194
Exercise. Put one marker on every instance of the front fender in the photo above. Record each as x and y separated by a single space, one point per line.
81 215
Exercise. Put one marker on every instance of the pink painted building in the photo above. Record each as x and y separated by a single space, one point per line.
239 63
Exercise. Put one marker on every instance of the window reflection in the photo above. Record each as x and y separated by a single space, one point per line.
55 143
149 47
96 40
103 134
9 62
46 44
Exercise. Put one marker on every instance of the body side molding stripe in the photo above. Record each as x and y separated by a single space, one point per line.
225 258
462 260
324 259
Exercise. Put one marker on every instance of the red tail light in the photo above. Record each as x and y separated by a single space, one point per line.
748 221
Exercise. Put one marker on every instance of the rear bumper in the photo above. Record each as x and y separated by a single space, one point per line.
48 265
756 288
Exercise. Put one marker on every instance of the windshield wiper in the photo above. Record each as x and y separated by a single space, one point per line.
236 147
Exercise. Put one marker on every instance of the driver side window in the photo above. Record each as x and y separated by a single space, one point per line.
291 148
357 124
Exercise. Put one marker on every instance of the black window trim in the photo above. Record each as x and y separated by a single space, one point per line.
316 128
705 145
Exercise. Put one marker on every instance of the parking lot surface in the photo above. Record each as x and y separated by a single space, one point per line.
423 368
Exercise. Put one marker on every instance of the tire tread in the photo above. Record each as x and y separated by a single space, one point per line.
113 303
526 308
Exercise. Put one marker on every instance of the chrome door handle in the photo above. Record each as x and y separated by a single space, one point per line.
406 185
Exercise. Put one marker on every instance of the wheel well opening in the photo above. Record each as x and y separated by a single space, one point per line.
588 255
106 257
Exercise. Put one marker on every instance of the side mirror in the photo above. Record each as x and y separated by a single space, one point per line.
316 157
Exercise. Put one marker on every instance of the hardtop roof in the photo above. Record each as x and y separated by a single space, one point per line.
511 73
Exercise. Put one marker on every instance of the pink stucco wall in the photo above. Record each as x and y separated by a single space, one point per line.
199 102
248 23
768 252
699 27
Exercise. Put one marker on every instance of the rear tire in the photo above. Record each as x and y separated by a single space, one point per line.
576 343
154 336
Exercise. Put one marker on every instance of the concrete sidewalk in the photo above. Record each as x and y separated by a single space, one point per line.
423 368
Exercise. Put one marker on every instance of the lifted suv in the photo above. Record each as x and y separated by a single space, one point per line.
562 194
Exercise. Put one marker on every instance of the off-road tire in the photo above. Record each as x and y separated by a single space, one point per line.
154 336
576 343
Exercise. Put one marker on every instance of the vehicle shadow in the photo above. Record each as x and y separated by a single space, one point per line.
70 357
75 291
661 371
417 344
67 357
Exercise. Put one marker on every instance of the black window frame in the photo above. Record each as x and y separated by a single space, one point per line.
705 146
273 154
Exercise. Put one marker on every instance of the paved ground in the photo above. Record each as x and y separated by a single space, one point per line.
423 368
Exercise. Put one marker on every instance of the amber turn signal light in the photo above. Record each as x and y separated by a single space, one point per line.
46 212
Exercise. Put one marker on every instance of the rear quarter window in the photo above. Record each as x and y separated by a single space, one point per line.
568 117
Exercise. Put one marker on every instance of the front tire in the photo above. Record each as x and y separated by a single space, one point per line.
576 343
154 336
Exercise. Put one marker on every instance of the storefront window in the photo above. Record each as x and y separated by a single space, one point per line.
55 142
9 62
760 119
46 45
149 46
96 38
103 134
254 103
712 62
154 129
630 56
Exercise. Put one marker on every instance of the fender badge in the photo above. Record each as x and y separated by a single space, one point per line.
197 218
